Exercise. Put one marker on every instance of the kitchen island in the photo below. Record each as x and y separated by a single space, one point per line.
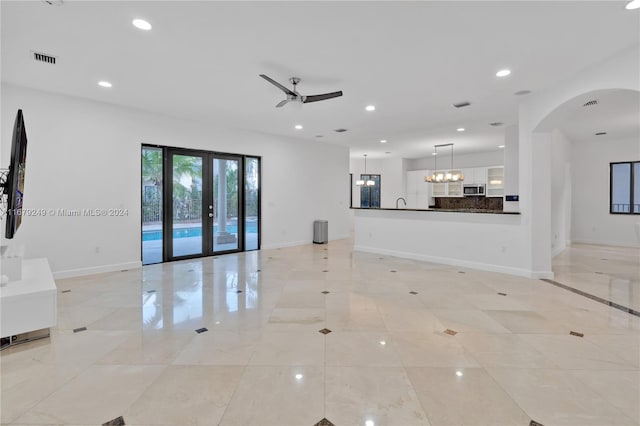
480 239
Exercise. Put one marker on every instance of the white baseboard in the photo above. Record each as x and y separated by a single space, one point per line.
461 263
283 245
70 273
556 251
299 243
606 243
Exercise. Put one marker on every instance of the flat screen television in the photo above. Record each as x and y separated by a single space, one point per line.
14 187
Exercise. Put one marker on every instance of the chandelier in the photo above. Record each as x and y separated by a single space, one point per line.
442 177
368 182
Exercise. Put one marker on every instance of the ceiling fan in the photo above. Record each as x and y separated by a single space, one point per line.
294 96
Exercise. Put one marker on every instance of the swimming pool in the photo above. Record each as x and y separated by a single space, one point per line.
196 231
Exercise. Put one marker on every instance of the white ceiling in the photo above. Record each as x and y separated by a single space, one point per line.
616 113
412 60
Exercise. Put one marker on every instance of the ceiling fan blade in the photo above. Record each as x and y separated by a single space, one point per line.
324 96
282 103
278 85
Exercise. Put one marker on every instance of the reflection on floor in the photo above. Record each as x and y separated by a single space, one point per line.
404 343
152 249
612 273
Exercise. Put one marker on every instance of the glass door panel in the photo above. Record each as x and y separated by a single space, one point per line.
151 205
225 211
251 203
209 205
186 221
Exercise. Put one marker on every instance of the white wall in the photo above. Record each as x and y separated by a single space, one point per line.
392 173
591 221
482 241
560 191
479 159
85 154
621 71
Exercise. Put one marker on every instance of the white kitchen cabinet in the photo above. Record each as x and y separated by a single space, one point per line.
495 181
450 189
439 189
469 175
412 201
480 175
412 181
475 175
418 191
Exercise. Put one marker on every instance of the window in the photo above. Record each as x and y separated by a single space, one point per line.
624 195
370 195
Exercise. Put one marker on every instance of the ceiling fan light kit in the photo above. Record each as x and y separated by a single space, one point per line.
294 96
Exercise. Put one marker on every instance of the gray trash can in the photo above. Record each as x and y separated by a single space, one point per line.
320 232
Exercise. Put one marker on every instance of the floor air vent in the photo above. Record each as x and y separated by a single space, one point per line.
42 57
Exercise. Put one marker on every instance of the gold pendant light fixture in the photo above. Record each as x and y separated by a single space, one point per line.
442 177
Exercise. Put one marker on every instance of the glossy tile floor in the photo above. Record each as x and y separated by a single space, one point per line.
508 357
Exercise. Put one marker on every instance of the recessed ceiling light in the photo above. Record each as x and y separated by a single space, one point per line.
383 141
370 108
369 423
635 4
299 376
460 129
298 126
500 146
382 342
141 24
459 373
105 84
503 73
434 153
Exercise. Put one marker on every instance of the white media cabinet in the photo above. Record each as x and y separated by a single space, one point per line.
29 304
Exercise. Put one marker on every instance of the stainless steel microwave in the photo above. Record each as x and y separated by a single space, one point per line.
473 190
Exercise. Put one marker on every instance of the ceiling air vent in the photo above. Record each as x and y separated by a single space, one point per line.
591 103
340 130
53 2
601 133
462 104
496 124
42 57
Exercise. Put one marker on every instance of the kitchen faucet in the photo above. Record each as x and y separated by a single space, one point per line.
403 200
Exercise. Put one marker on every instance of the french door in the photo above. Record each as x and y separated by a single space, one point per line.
209 205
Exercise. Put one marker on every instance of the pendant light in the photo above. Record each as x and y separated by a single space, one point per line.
368 182
441 177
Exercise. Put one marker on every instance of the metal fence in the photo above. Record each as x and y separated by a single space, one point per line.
185 209
625 208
